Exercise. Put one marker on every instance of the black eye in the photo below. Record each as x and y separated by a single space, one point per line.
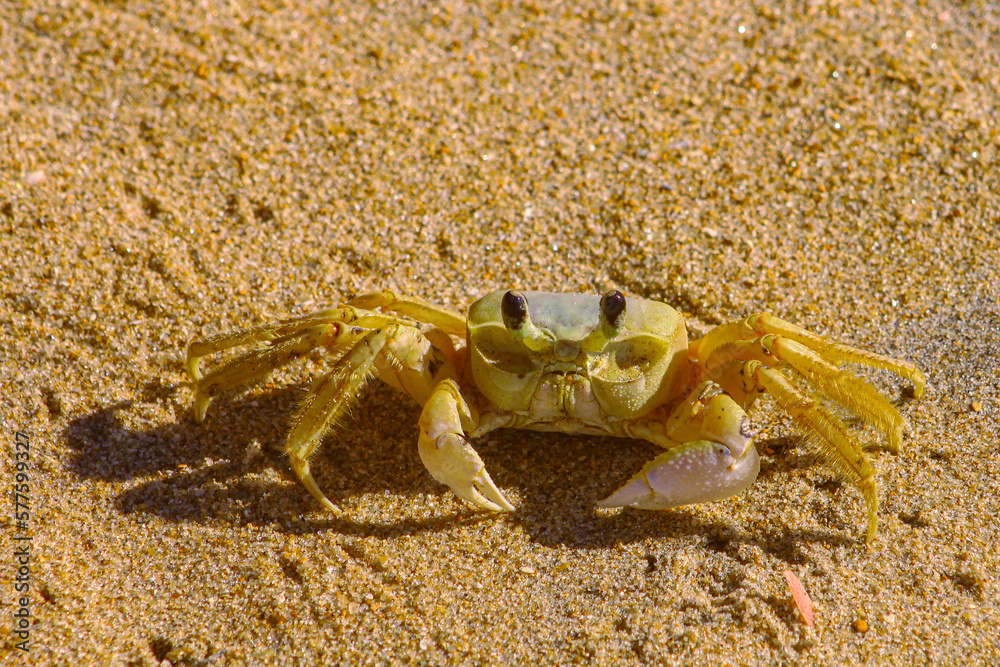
612 306
515 309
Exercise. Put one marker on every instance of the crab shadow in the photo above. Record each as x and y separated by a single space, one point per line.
231 468
560 478
208 473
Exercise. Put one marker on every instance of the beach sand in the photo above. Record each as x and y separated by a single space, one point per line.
173 170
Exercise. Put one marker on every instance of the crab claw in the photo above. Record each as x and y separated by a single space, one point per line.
452 461
446 454
694 472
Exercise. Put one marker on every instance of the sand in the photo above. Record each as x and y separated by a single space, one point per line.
171 170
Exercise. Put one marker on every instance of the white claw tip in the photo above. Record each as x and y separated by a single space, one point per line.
634 494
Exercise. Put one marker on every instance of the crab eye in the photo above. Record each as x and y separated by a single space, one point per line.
612 306
515 310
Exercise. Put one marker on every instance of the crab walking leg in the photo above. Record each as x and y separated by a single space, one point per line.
346 316
834 382
257 363
761 324
328 400
415 362
769 324
833 443
336 329
446 320
265 332
448 456
719 461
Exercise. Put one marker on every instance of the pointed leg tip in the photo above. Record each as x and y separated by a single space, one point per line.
301 468
321 497
335 509
191 368
870 493
200 407
870 535
895 439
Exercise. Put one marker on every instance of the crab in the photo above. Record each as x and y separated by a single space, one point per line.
572 363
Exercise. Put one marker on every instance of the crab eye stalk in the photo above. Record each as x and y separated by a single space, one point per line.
515 310
612 306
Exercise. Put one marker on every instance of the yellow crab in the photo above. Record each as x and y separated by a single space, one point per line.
574 363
